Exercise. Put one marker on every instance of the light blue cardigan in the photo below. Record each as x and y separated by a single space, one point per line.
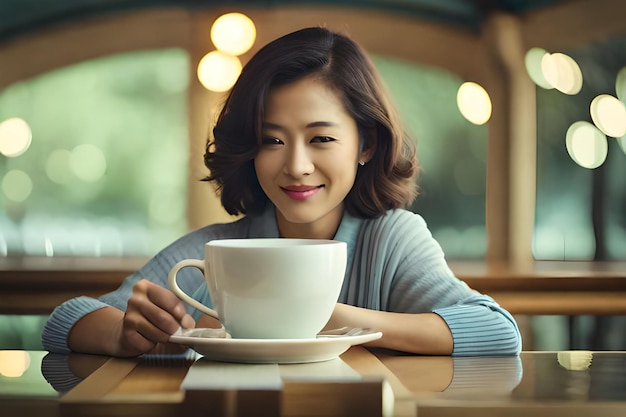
394 264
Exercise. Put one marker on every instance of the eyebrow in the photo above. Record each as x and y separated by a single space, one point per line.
268 125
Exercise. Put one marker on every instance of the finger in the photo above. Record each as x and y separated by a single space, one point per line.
187 322
153 322
148 319
132 342
167 301
136 344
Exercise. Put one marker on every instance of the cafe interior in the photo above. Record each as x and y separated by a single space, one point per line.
517 107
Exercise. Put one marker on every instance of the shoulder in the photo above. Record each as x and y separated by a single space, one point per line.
398 220
400 231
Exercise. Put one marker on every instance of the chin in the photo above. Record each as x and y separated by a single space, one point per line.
298 216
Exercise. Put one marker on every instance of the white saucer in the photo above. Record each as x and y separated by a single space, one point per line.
320 349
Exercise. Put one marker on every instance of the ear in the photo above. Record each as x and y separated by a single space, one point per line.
366 154
370 146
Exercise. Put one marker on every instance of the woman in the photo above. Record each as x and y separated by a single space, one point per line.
307 145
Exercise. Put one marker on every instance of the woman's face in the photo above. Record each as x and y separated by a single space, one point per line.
309 157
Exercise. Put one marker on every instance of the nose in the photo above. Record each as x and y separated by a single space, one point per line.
298 162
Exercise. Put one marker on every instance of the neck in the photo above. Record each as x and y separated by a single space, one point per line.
324 228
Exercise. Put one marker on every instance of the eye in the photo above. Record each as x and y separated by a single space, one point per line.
269 141
322 139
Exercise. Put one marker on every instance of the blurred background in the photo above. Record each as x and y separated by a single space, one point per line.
517 108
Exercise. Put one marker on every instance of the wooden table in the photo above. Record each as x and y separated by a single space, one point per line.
572 383
35 285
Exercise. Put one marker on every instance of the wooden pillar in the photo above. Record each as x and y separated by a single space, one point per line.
511 161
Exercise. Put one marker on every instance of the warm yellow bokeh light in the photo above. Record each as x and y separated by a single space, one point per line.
474 103
218 71
13 363
562 72
586 145
15 137
575 360
609 115
532 61
233 33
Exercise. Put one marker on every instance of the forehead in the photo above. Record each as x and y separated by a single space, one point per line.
308 96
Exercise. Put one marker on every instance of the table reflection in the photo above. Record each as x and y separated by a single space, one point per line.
574 376
533 376
64 372
476 377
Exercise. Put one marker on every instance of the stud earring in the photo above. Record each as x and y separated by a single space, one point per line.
361 162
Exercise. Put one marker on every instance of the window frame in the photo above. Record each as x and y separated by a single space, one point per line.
481 57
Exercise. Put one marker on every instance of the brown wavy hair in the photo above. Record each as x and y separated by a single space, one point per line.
387 181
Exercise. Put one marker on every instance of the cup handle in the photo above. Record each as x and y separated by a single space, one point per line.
173 285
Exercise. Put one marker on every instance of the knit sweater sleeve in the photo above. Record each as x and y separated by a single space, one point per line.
407 272
63 318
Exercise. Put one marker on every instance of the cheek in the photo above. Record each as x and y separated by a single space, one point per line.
345 160
260 163
341 168
264 166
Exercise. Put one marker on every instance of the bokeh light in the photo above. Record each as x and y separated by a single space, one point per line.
609 115
532 61
562 72
88 162
586 145
15 137
233 33
620 84
47 209
58 166
575 360
17 185
474 103
13 363
218 71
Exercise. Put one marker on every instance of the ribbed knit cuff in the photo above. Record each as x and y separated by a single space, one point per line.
56 370
492 376
54 335
478 330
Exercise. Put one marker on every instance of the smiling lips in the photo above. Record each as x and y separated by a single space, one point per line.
301 192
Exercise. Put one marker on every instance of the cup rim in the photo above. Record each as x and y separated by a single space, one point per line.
280 242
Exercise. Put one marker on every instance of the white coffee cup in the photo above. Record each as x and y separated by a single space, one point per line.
269 288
